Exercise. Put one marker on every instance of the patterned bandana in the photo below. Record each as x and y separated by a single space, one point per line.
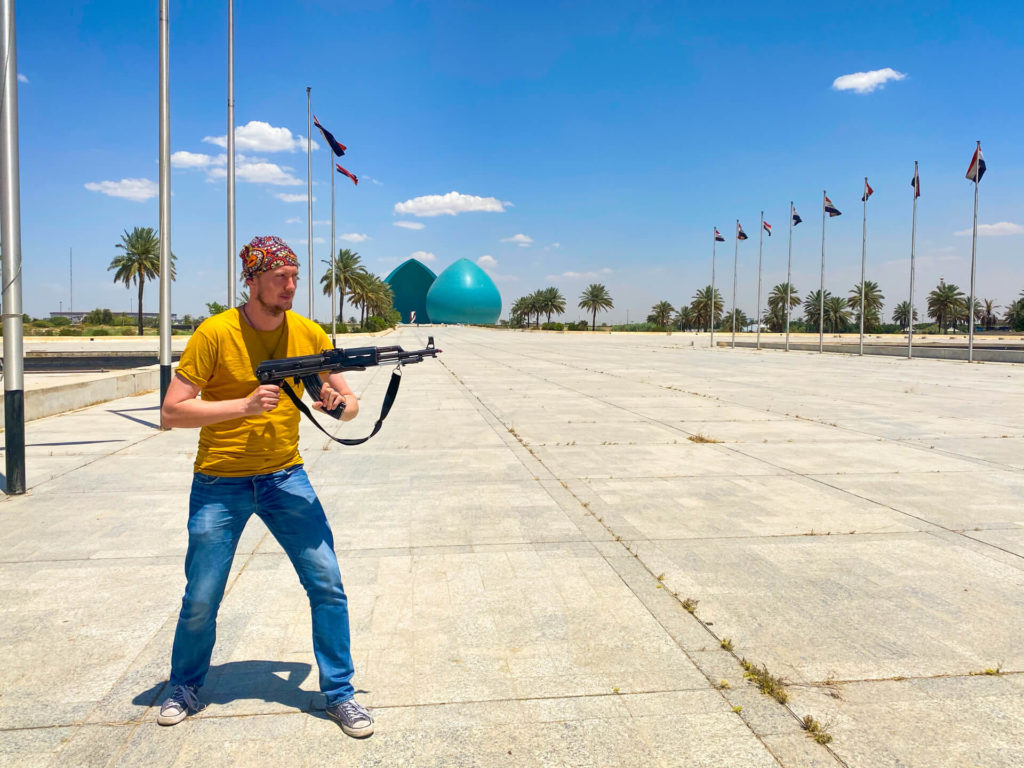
264 254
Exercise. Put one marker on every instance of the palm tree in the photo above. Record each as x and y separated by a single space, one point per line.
775 315
1015 313
594 298
140 260
812 307
552 301
361 289
661 314
535 306
742 321
347 268
519 311
836 313
873 301
685 318
946 304
703 312
901 315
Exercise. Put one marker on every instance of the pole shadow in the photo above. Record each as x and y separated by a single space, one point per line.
125 413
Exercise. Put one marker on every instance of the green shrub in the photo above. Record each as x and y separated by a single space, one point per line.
553 326
97 332
374 324
59 321
69 332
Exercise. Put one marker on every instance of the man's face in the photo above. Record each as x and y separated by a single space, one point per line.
274 290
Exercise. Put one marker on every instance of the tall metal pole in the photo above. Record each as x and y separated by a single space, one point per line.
309 195
760 250
711 322
165 204
789 272
231 153
10 237
913 238
334 313
863 261
821 291
735 260
71 281
974 253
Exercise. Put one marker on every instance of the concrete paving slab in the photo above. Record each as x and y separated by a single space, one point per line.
517 544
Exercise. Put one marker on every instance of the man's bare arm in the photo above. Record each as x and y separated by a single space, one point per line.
181 409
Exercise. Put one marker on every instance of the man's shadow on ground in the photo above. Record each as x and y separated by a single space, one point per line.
272 681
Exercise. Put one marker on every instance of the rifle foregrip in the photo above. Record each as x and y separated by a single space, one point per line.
313 383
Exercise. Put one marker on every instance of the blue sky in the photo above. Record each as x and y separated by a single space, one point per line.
603 141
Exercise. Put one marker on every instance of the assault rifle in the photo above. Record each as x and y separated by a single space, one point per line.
307 369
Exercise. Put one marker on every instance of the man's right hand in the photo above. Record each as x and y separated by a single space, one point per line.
263 398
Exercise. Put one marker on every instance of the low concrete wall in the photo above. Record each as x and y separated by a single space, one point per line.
924 350
98 388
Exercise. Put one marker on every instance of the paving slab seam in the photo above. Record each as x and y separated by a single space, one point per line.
519 446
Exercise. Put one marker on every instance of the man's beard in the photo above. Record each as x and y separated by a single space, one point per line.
273 309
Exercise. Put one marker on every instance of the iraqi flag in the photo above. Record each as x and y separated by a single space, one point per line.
740 234
916 184
718 236
796 218
977 167
767 227
336 147
868 192
831 210
350 175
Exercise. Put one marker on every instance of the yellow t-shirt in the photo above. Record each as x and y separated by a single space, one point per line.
221 359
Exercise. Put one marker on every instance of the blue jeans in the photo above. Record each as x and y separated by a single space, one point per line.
219 508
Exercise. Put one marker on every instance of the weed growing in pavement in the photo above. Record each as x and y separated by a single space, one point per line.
690 604
726 643
702 438
818 732
765 681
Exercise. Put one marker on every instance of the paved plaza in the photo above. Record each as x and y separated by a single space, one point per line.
558 551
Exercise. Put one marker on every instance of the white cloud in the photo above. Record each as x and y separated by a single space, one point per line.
290 197
554 246
523 241
866 82
354 237
581 275
22 78
451 204
183 159
409 224
131 189
423 256
994 230
258 136
305 241
259 171
487 261
321 222
372 180
293 220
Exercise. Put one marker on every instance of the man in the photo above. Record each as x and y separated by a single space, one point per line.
248 462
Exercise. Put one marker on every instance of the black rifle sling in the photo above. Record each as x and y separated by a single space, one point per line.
389 400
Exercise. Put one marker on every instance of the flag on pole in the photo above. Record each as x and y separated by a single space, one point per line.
868 192
350 175
916 184
796 218
336 147
740 234
767 227
977 167
718 236
831 210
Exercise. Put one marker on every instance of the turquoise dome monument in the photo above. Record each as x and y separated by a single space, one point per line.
463 293
410 282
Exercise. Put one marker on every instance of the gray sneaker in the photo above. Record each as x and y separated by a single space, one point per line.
178 705
352 717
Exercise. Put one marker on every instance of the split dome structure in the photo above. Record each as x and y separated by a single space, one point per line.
462 293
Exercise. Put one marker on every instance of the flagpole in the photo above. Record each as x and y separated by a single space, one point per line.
165 201
913 238
760 249
10 236
735 259
974 251
334 313
231 153
309 195
821 291
714 242
863 260
789 272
